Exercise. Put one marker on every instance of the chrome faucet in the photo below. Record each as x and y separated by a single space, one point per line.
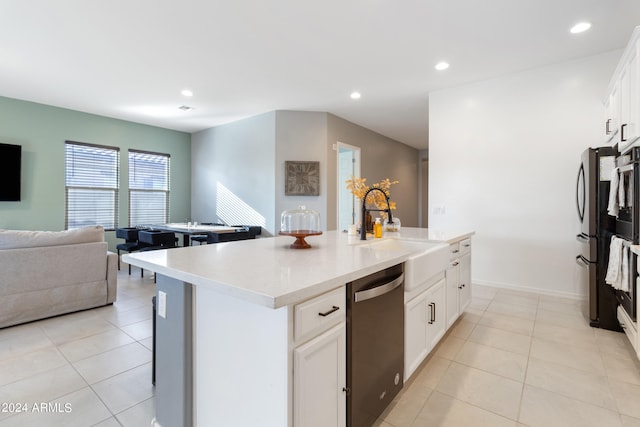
363 229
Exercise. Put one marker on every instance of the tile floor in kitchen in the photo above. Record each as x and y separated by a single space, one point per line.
513 359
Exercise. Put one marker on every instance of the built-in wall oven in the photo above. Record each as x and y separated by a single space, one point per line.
628 222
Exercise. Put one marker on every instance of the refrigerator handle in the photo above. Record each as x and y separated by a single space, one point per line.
582 238
584 193
581 261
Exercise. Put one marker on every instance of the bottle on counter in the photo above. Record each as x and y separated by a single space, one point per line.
377 229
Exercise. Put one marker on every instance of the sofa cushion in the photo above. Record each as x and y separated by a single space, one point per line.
14 239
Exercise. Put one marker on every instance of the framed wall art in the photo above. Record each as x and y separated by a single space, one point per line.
302 178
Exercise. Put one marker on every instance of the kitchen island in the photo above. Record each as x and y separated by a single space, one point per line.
232 332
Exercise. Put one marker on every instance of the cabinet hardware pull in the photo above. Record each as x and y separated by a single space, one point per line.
455 251
622 138
347 390
607 130
432 309
466 245
454 264
326 313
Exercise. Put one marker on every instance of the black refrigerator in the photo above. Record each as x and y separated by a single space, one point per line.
596 230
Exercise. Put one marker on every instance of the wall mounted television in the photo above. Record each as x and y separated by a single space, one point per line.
10 172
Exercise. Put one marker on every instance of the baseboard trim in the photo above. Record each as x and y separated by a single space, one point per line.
547 292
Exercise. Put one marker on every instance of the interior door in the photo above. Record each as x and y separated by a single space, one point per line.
348 166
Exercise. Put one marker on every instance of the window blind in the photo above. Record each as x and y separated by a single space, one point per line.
91 185
148 188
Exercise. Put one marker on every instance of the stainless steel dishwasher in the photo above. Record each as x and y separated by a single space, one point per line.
375 344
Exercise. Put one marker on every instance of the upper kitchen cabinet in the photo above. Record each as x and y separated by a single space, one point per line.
622 104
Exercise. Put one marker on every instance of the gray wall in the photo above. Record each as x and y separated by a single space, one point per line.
233 178
381 158
42 131
301 135
246 160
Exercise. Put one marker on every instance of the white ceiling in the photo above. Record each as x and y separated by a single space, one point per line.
130 59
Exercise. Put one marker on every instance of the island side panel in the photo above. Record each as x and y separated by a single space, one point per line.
242 365
173 356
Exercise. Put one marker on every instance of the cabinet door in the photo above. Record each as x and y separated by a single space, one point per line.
416 345
318 380
465 282
628 113
632 130
607 128
452 284
613 107
436 322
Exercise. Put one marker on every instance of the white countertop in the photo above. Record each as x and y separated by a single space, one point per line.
267 272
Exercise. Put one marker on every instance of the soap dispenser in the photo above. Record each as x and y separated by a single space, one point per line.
377 229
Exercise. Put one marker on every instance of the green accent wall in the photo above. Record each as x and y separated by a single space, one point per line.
42 130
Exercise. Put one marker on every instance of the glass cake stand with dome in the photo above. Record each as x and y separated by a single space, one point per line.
300 223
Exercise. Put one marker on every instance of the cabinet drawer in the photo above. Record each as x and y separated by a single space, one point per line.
629 327
455 250
465 246
319 314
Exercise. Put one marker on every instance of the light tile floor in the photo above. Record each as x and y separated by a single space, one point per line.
520 359
91 368
513 359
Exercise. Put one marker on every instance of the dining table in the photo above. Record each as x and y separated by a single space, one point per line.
188 229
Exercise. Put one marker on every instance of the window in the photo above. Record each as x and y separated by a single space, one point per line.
91 185
148 188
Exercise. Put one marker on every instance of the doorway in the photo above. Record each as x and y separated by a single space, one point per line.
348 165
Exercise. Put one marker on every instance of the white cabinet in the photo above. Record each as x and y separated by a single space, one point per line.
319 361
611 107
453 291
464 295
319 377
425 325
622 104
458 280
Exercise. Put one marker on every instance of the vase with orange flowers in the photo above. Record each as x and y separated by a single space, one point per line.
359 187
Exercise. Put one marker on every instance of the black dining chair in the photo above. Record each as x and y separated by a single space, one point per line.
153 240
130 236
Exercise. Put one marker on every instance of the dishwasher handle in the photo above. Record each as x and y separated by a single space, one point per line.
378 290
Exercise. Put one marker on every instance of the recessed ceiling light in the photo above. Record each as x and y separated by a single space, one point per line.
579 28
442 66
186 92
185 108
355 95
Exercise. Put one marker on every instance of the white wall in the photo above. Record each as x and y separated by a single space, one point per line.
232 177
503 161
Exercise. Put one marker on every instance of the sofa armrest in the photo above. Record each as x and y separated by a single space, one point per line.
112 276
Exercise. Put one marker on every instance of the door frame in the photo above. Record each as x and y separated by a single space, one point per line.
342 147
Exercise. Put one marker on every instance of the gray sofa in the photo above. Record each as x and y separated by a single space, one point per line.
47 273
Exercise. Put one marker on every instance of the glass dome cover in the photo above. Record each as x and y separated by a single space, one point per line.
300 223
301 220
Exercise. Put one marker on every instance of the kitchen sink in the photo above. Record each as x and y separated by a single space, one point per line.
426 260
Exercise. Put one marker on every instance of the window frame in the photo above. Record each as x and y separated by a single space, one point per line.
115 189
132 190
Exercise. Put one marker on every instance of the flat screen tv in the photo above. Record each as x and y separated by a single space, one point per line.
10 170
